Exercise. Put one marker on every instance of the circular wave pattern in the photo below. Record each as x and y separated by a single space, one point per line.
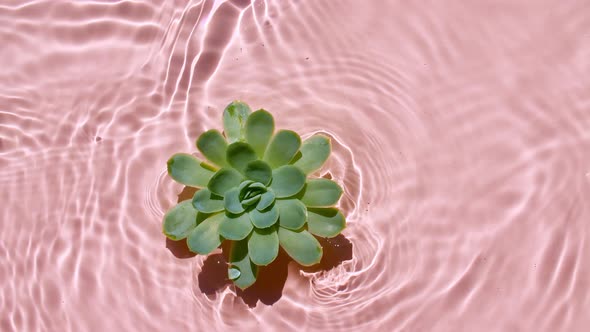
460 135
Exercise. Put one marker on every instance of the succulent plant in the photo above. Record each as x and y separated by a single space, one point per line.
255 192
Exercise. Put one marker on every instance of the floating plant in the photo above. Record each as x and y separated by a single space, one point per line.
255 192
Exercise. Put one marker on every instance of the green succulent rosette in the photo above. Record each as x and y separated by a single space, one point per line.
255 191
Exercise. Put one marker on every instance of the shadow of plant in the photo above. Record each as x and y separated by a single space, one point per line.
271 280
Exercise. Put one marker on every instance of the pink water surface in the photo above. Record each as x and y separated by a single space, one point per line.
461 134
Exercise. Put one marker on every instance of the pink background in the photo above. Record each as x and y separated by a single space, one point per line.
461 133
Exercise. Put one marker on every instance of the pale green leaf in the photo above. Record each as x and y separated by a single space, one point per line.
224 180
239 154
313 153
231 201
287 181
263 246
180 221
325 222
292 213
266 200
235 227
321 193
205 201
188 170
301 246
258 171
259 128
205 237
282 148
244 184
251 200
265 218
213 146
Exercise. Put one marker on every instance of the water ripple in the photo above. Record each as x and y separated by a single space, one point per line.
460 134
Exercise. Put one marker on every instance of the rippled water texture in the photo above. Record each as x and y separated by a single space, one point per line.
461 133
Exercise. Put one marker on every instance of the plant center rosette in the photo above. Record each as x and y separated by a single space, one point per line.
255 191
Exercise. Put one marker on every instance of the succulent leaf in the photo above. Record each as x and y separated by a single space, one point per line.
257 186
235 227
204 238
205 201
263 246
180 221
244 184
265 218
239 154
282 148
260 126
224 180
287 181
240 260
188 170
321 193
258 171
313 153
292 213
251 200
301 246
234 120
325 222
232 202
266 200
213 146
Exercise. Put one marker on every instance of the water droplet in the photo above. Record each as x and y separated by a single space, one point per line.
233 273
